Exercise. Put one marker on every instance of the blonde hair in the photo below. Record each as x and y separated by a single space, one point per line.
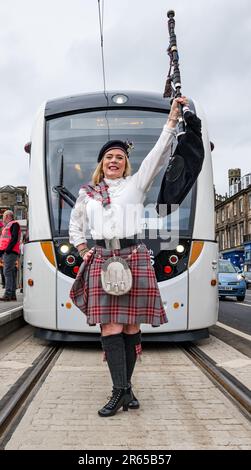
8 213
98 173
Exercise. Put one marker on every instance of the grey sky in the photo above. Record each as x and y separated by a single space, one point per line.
52 48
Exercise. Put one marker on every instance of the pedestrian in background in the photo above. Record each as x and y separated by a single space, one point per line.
10 250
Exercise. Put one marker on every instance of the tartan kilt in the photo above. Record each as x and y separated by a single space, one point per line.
142 304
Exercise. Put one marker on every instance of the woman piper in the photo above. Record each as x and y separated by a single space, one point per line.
111 207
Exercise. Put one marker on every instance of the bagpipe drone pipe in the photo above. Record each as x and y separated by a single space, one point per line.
186 162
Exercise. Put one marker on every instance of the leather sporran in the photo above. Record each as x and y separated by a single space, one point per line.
116 276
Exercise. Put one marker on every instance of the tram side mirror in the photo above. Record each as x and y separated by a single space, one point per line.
211 146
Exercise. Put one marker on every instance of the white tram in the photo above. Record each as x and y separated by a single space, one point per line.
66 137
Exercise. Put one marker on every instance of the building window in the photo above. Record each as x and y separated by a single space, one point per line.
228 212
222 215
249 201
19 214
19 198
217 217
241 204
228 238
231 236
222 240
235 236
241 234
235 208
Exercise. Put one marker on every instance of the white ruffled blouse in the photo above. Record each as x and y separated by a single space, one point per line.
123 217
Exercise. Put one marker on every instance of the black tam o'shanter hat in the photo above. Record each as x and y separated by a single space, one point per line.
115 144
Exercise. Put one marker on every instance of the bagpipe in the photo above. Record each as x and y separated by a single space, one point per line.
186 162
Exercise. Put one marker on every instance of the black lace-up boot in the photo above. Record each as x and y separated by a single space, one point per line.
134 402
132 346
114 348
120 398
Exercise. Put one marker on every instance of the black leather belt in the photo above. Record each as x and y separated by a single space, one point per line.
117 243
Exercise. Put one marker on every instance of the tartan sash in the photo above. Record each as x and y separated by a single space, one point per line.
98 192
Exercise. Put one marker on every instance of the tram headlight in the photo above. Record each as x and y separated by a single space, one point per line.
180 249
64 249
120 99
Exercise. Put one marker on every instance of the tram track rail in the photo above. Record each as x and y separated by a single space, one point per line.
14 404
235 390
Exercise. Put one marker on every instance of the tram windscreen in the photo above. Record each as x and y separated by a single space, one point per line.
73 142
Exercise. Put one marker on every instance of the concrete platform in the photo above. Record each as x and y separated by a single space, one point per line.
11 314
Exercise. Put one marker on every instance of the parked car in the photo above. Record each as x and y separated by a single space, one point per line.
230 282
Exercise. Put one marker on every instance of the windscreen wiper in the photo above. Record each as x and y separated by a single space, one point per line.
65 194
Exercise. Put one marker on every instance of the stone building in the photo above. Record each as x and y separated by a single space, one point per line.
15 199
233 218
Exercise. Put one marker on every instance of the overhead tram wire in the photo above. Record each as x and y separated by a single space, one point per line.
101 27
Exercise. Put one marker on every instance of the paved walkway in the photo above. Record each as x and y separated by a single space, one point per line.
180 407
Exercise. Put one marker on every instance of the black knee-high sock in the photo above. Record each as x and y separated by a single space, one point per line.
114 347
131 343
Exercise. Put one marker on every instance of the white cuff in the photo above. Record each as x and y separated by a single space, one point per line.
169 130
79 241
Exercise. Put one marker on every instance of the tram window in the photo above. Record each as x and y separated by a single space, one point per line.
73 143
